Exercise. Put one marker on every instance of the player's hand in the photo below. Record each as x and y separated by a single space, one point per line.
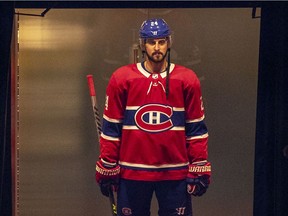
107 176
197 186
198 178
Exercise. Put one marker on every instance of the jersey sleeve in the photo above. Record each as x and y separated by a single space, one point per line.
112 121
195 128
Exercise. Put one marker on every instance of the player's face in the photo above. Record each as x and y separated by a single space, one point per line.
156 49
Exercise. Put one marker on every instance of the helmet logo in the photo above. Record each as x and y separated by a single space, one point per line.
154 32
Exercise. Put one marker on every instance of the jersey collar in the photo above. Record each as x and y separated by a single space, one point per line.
141 68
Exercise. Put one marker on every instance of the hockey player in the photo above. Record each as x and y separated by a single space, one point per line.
154 138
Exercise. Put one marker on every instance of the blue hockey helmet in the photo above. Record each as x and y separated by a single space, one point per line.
154 28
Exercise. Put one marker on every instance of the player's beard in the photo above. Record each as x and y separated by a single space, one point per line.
156 57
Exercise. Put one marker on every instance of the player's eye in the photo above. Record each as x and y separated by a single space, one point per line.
151 42
162 42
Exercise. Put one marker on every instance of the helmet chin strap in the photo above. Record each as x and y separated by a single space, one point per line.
167 73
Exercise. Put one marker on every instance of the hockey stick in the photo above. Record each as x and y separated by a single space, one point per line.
99 131
94 104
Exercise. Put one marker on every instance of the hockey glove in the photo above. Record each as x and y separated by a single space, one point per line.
107 176
198 178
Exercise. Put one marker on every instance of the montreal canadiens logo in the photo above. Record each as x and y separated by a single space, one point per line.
154 117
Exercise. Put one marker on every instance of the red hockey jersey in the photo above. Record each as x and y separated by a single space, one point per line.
153 137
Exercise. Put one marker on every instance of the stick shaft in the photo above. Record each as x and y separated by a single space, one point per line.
94 104
99 131
112 202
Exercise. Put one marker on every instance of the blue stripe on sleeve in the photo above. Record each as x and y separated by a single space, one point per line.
195 129
111 129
